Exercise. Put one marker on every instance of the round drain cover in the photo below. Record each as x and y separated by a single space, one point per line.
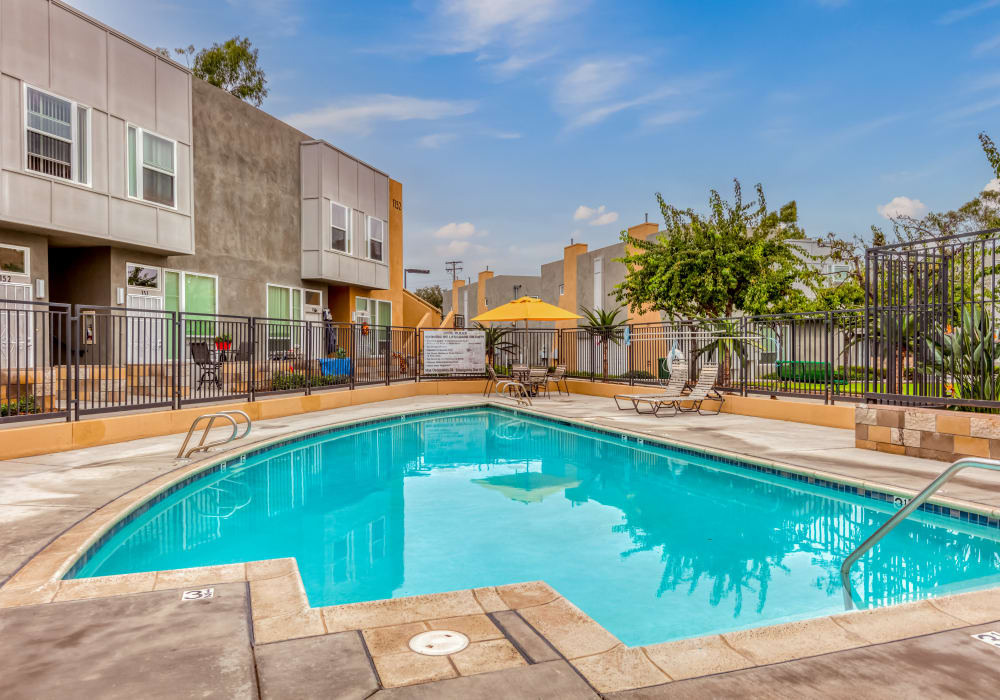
439 642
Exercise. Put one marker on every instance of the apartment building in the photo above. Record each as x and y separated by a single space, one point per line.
582 279
128 183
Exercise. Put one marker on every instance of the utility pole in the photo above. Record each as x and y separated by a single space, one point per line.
454 267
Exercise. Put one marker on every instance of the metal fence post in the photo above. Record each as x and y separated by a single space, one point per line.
252 372
828 351
350 345
72 375
388 355
745 339
631 363
309 357
175 332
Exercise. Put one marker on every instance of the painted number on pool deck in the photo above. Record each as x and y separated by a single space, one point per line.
992 638
198 594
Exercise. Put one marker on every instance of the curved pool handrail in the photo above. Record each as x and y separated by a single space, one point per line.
246 418
201 445
902 513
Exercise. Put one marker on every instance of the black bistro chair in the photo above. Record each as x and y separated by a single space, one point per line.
208 367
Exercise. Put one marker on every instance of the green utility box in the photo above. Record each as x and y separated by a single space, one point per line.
663 368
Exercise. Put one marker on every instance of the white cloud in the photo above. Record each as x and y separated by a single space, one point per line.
961 13
987 46
673 116
599 114
902 206
515 63
584 212
278 16
359 114
595 216
604 219
435 140
462 231
470 25
970 110
595 80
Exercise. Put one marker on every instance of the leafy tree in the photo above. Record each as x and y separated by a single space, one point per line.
607 327
433 295
232 66
735 258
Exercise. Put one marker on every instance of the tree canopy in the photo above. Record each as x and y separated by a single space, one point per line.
737 257
232 66
433 295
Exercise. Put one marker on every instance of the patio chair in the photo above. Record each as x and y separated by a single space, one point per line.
703 389
538 380
519 372
676 384
491 380
559 375
207 366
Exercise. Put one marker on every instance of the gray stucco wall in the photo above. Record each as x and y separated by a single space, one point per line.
38 258
247 201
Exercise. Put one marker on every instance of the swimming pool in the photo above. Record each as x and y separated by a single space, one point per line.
654 543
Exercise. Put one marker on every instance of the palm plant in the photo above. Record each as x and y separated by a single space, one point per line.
496 343
968 355
727 344
606 326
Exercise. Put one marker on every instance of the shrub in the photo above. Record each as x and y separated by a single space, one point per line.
637 374
19 407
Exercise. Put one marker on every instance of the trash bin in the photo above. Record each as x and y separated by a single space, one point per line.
663 368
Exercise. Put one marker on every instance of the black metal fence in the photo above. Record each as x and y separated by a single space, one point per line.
932 322
63 362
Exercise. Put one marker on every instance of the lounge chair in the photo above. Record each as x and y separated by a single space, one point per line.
491 380
703 389
676 384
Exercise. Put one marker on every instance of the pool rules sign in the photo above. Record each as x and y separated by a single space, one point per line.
454 352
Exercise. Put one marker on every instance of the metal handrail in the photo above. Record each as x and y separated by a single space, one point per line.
228 415
902 513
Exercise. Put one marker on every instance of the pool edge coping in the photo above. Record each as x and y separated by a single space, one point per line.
280 609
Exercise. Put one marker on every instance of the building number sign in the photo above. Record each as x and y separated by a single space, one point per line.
397 205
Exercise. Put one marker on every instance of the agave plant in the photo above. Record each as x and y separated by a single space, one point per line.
607 327
496 342
967 356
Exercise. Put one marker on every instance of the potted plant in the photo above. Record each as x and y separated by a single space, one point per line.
223 341
338 363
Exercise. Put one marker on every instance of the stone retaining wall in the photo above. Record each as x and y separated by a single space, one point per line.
928 433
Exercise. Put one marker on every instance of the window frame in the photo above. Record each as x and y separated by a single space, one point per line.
348 235
139 165
368 238
159 276
302 301
27 261
74 142
181 296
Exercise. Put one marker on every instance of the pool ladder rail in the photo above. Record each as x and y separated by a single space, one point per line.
902 513
212 417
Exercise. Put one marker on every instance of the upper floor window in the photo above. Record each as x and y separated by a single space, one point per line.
376 239
152 167
340 228
58 136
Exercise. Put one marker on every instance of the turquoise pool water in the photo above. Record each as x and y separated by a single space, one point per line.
653 543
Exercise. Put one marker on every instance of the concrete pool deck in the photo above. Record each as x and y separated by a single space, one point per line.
527 641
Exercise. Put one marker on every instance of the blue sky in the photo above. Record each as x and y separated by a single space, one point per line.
515 125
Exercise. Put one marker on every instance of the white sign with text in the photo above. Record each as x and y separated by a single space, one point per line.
454 352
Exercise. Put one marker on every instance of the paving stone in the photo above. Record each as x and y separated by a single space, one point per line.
531 644
554 680
146 645
333 666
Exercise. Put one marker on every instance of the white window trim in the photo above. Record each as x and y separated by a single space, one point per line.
368 239
74 126
369 302
139 165
181 297
159 276
27 260
350 230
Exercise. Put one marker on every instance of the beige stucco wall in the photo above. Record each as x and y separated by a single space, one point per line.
55 48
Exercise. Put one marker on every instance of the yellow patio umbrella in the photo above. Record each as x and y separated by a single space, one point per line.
526 309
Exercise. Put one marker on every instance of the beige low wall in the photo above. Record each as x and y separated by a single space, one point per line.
26 440
926 432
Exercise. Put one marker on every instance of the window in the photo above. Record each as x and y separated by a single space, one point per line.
142 276
192 294
284 303
562 289
376 239
313 298
340 228
58 136
14 260
152 162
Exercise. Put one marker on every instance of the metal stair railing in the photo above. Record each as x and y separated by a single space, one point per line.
915 502
212 417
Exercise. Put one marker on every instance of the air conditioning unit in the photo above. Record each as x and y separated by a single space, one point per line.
362 317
